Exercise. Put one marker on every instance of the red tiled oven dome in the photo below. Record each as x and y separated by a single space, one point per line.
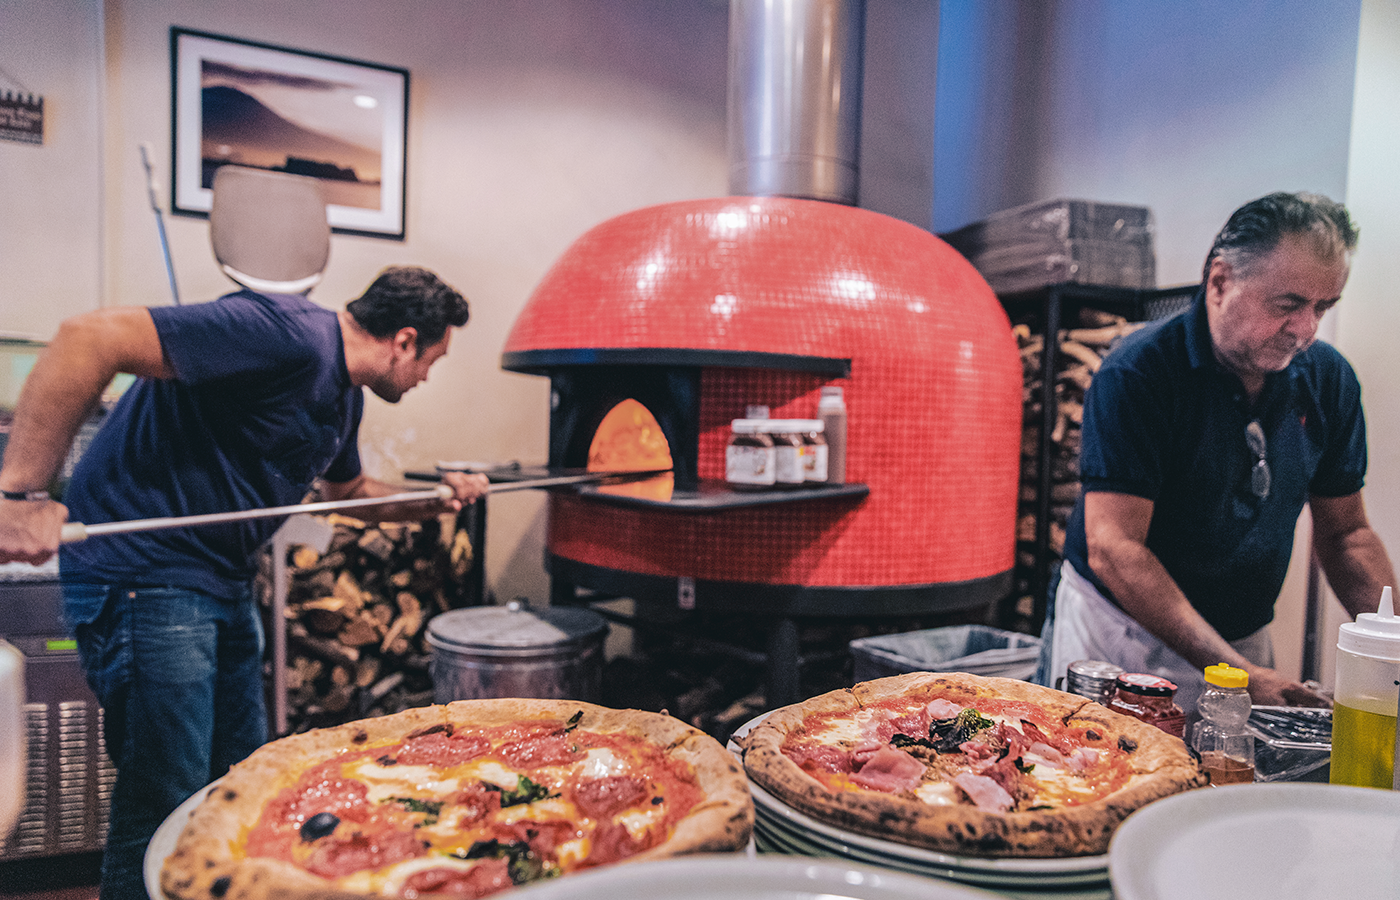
768 299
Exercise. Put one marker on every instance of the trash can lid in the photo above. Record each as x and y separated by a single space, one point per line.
514 626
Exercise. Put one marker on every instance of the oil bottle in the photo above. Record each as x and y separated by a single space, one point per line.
1364 711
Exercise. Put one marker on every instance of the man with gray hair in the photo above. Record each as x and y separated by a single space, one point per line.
1204 435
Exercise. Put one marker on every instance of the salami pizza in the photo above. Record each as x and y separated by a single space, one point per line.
969 765
461 800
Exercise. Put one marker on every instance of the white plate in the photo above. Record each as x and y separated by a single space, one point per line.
777 815
163 841
765 878
1261 842
1074 869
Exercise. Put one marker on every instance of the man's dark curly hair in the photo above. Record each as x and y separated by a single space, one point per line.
1255 229
409 297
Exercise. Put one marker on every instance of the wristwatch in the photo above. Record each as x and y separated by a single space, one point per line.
25 495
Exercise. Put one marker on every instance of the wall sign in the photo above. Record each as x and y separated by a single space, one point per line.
21 118
338 120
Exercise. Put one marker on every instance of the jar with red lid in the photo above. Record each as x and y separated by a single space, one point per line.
1149 698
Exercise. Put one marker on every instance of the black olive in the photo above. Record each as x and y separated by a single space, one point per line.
319 825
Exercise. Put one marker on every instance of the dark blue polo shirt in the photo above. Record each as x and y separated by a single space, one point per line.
1165 421
260 406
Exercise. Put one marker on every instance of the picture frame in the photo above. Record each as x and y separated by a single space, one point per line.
341 121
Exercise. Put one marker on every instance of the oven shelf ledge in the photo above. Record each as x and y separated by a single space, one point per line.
716 496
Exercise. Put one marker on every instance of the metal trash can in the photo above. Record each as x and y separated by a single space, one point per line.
974 649
554 653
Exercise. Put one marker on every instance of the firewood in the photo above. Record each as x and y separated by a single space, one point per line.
304 557
358 632
1079 376
1104 336
1083 354
385 685
1098 318
319 620
410 612
377 544
348 590
367 672
356 616
324 649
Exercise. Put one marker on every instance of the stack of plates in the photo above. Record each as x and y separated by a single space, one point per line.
779 828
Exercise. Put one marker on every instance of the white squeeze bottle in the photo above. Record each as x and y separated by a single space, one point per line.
1364 714
831 409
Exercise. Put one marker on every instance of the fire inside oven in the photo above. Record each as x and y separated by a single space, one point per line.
629 439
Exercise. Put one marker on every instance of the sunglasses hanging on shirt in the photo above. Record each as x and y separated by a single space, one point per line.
1259 476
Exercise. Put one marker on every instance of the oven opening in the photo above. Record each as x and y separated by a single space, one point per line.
629 439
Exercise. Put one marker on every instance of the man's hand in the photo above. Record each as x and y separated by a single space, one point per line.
1268 688
465 488
29 530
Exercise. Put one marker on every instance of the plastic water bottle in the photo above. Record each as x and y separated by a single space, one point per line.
1364 712
1221 738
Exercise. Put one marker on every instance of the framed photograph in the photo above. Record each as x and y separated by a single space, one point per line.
341 121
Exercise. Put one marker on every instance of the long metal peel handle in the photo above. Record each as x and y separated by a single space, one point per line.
77 531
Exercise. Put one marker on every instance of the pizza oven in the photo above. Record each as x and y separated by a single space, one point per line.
660 326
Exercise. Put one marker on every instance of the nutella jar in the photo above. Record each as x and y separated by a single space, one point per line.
814 451
786 435
750 461
1149 698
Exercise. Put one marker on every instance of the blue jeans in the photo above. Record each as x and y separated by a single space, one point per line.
179 677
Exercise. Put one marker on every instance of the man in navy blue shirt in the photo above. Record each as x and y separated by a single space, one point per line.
242 403
1204 436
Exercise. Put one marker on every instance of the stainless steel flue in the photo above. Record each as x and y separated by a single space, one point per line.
794 98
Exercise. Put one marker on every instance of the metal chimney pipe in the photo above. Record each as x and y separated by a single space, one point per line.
794 98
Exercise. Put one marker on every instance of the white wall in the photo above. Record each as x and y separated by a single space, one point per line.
51 197
1368 319
1189 108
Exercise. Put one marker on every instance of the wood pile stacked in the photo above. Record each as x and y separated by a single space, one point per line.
1079 351
356 617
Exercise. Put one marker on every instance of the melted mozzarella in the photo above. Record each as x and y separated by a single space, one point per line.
540 811
639 821
936 794
851 730
400 781
491 772
1061 784
391 880
600 763
1008 721
571 853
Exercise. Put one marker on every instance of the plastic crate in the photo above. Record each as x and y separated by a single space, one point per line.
974 649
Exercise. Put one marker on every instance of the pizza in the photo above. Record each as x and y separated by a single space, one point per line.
963 764
460 800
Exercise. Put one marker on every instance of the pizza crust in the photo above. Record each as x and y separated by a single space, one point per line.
1161 764
204 865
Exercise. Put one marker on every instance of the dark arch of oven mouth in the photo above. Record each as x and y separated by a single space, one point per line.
541 362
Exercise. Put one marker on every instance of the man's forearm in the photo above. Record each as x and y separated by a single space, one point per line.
1145 590
66 384
1357 568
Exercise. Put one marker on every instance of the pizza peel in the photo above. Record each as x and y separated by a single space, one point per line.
77 531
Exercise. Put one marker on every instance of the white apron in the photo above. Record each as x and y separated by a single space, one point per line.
1088 626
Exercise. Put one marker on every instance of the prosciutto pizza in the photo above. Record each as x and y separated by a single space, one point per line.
968 765
462 800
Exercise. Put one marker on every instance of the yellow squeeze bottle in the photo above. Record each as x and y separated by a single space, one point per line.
1366 697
